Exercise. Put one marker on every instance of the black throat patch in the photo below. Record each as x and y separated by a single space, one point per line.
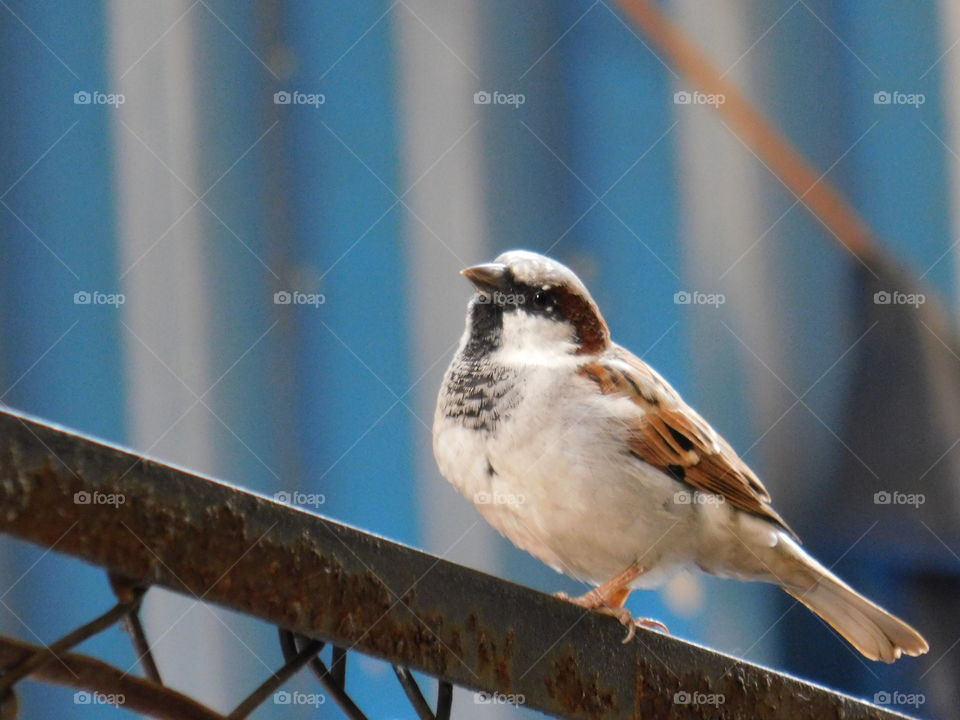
486 330
477 392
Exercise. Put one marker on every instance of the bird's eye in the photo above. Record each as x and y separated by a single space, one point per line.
541 298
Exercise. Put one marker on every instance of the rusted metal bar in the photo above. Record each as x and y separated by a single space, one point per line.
100 683
159 524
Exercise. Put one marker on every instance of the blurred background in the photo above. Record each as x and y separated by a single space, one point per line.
230 238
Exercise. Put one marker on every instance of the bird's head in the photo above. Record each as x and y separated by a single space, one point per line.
527 302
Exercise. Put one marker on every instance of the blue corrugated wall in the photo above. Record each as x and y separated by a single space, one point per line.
57 238
319 405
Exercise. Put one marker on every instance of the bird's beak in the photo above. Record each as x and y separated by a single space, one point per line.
489 276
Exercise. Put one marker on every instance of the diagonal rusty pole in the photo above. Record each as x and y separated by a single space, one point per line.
163 525
810 186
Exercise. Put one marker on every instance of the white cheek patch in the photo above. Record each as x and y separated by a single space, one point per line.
527 336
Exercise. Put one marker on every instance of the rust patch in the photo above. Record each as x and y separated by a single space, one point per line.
490 657
576 694
740 691
266 574
504 661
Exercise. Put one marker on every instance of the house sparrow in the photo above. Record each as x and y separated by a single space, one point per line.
583 455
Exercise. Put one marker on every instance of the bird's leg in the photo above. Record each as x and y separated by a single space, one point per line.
610 597
612 594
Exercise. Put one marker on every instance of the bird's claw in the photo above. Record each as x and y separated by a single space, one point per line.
632 623
648 623
620 613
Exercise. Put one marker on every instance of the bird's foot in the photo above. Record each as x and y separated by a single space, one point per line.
595 600
632 623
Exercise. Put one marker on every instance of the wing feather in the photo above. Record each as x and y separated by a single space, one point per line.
671 436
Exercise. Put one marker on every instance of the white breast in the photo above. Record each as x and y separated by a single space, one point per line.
561 485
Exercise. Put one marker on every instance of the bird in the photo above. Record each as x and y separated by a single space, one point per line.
583 455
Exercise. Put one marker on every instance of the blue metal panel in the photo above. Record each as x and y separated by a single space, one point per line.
594 102
61 360
799 88
530 195
242 272
899 172
348 229
352 354
828 61
900 182
240 263
798 72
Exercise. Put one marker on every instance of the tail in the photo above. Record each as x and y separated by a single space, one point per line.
873 631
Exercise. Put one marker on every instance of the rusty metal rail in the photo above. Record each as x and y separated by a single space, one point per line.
328 581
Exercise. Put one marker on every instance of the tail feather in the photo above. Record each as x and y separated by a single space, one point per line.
868 627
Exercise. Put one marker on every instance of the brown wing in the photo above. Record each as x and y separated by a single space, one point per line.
671 436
